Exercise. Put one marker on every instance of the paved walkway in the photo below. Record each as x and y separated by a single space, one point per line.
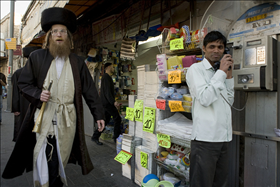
106 173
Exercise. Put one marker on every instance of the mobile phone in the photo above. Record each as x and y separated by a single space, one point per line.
217 64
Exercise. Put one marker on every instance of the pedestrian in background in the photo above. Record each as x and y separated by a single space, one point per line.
107 95
3 83
61 139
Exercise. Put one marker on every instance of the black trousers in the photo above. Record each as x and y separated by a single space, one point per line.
209 164
53 164
110 111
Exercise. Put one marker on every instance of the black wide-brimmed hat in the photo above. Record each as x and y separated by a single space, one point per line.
56 15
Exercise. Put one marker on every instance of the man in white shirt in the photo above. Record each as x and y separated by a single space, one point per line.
212 92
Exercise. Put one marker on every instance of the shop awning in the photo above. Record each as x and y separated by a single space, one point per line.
37 40
79 7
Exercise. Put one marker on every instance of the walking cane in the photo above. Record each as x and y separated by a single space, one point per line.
38 123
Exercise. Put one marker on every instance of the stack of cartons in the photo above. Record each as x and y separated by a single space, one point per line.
141 172
140 81
150 93
128 144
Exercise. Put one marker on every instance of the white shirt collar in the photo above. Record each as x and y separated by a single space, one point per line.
207 64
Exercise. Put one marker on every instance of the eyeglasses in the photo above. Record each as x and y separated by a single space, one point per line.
62 32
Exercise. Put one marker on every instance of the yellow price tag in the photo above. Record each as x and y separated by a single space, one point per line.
129 113
149 119
138 110
123 157
175 106
177 44
144 160
174 77
164 140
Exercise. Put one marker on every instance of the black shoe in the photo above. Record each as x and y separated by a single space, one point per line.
96 141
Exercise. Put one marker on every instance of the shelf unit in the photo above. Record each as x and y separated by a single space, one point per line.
162 114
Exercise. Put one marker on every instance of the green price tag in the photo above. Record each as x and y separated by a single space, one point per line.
129 113
123 157
144 160
149 119
164 140
176 44
138 110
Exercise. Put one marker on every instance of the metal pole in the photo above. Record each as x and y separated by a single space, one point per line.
11 54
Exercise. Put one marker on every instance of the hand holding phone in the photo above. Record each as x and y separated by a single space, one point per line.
226 63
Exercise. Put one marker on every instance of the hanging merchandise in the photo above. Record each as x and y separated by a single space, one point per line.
128 81
129 68
125 68
128 49
92 52
132 81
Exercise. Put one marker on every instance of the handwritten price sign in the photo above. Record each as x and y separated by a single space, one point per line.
138 110
161 104
129 113
177 44
174 77
123 157
176 106
144 160
149 119
164 140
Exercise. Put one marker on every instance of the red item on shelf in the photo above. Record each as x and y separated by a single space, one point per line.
161 103
176 25
188 60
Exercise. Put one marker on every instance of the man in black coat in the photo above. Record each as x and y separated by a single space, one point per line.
62 123
19 103
107 95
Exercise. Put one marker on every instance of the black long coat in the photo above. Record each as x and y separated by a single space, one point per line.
19 104
31 82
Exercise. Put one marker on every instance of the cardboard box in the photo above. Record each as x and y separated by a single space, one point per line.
141 172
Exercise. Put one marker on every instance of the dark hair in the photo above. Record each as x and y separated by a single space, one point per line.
214 36
107 64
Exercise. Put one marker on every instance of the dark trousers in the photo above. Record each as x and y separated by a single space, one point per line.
110 111
209 164
53 164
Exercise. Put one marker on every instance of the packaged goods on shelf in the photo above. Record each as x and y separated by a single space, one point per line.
174 159
187 97
162 66
169 93
188 61
177 126
173 33
174 63
171 178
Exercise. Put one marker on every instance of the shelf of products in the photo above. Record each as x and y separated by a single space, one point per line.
171 168
175 160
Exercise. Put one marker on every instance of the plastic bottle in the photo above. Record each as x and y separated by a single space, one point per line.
119 143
